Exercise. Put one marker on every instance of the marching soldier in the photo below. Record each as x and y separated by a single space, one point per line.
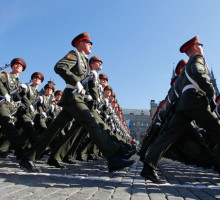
192 105
73 68
26 113
44 108
10 91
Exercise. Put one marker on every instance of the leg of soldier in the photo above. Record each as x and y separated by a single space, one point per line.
154 134
9 129
66 143
81 113
42 125
46 137
81 135
29 131
107 131
4 144
166 138
207 120
83 149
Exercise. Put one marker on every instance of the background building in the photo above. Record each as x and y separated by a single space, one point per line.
138 120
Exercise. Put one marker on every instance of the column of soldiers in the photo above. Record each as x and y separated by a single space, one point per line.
186 126
84 119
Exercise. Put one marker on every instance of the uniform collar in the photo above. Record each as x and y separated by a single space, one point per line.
83 53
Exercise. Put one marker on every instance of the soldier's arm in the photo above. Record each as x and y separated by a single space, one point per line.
3 79
64 66
200 75
93 90
25 99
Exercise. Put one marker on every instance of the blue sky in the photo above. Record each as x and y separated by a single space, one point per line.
138 41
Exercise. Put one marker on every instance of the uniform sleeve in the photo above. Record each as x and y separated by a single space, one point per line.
93 90
200 75
3 79
40 107
25 99
64 66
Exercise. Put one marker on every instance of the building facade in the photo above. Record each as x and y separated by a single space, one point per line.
138 120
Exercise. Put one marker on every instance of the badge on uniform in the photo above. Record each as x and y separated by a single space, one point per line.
200 60
69 56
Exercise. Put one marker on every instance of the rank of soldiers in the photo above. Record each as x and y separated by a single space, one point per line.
83 120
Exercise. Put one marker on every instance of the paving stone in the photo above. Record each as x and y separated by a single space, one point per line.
91 180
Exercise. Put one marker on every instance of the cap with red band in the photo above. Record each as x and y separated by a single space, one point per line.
81 37
103 76
48 85
180 64
20 61
58 92
185 46
93 59
108 87
39 75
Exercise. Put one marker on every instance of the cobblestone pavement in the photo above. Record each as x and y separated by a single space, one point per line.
91 180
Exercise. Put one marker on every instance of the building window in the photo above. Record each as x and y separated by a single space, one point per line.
134 124
142 124
147 124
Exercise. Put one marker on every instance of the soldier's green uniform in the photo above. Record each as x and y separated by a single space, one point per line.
75 107
192 105
9 83
26 113
44 108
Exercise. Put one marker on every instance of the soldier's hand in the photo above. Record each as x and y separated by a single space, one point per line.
79 87
43 115
8 98
52 108
95 76
41 99
31 108
212 104
24 87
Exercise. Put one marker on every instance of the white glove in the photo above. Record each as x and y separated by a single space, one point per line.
31 108
24 87
43 115
52 108
41 99
79 87
97 101
95 76
8 97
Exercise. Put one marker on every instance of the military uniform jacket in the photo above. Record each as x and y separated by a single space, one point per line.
56 110
30 96
8 83
45 105
195 98
73 68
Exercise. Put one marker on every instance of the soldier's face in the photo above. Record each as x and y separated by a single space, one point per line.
103 82
36 81
97 66
17 68
111 99
199 49
48 91
86 47
58 97
107 93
